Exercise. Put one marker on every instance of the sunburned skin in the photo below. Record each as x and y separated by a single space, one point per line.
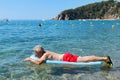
52 56
47 55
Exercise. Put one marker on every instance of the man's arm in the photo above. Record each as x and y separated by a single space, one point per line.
40 61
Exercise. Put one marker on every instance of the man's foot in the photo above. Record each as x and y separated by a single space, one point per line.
108 61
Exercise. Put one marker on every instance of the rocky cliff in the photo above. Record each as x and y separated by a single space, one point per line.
102 10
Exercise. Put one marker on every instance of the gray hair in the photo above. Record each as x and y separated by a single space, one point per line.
38 49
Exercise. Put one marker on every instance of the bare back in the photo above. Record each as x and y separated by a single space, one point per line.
53 56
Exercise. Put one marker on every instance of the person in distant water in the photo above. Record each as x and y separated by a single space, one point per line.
40 25
44 55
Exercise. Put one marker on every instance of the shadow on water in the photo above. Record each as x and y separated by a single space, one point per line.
67 69
116 69
51 71
71 69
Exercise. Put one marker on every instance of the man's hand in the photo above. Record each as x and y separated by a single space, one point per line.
34 61
27 59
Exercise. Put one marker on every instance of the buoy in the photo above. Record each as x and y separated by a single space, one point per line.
91 24
56 25
113 26
73 25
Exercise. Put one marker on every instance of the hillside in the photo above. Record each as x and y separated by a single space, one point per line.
101 10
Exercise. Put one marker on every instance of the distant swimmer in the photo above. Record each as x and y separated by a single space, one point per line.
40 25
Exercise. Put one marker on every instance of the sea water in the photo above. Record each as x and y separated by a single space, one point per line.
80 37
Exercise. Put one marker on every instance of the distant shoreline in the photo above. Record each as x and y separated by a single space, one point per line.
53 19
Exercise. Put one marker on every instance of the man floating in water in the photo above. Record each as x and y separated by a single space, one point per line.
44 55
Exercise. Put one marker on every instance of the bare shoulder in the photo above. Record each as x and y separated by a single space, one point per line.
50 52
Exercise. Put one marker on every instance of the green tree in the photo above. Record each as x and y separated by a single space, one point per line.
111 0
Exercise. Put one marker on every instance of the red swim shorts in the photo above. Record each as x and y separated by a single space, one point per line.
70 57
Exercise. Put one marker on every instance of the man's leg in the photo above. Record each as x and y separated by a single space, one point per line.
90 58
95 58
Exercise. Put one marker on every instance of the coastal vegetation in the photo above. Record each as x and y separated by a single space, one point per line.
109 9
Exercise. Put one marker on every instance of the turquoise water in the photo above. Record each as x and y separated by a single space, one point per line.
83 37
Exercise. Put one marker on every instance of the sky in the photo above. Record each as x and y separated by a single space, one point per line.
37 9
